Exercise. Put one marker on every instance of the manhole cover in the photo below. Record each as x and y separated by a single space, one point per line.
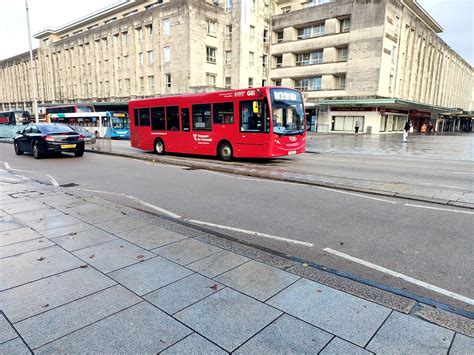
23 194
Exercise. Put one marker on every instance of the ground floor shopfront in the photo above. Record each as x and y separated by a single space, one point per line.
381 116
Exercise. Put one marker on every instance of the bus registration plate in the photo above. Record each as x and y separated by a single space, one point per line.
292 152
68 146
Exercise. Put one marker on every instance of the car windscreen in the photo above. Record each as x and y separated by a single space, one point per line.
56 128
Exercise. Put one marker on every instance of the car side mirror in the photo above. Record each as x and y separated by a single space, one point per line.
18 132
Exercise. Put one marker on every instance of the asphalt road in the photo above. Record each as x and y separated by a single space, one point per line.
430 245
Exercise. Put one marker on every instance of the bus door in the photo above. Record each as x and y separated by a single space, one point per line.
187 141
174 139
141 135
202 134
254 130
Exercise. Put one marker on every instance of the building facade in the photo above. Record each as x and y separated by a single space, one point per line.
378 62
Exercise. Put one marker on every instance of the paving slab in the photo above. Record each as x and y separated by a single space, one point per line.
8 223
27 267
6 330
17 235
58 322
149 275
257 280
186 251
338 346
404 334
38 214
228 318
23 206
66 230
286 335
15 346
36 297
113 255
218 263
84 239
151 236
52 222
462 345
195 345
121 224
139 329
339 313
183 293
24 247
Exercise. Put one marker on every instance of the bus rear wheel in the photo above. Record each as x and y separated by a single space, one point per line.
159 147
225 151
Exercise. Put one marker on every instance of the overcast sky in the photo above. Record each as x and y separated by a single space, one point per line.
455 16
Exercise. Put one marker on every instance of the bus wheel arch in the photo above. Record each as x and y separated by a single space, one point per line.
225 151
159 146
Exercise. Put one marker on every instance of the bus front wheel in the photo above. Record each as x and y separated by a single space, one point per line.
159 147
225 151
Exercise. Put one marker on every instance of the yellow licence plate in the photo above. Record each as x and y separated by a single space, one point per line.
67 146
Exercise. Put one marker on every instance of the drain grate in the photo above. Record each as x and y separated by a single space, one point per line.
71 184
25 194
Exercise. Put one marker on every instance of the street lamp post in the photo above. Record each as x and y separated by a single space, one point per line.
33 69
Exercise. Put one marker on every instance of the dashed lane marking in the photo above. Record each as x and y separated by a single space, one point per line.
438 208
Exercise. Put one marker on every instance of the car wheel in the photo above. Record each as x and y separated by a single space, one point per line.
79 153
225 152
18 151
36 152
159 147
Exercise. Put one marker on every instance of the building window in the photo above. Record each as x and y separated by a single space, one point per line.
311 31
250 82
252 32
151 57
394 54
278 61
140 34
149 30
202 117
308 84
315 57
211 27
168 80
264 61
46 41
251 59
127 86
228 31
125 39
142 84
277 82
345 24
265 36
166 27
151 83
166 54
228 82
390 83
227 57
396 24
211 55
347 123
211 79
285 9
228 5
279 36
317 2
140 59
342 54
341 82
126 59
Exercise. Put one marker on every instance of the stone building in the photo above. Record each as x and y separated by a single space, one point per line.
378 62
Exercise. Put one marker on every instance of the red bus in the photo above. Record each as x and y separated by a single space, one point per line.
249 123
70 108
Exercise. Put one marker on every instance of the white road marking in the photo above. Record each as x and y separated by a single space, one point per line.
53 180
144 203
7 166
403 277
354 194
438 208
254 179
460 172
257 234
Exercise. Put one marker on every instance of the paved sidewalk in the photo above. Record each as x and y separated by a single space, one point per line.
82 275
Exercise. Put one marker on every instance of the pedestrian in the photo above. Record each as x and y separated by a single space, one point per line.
406 129
356 126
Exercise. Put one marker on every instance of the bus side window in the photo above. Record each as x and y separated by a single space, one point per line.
136 121
172 118
158 119
224 113
254 116
144 116
202 120
185 119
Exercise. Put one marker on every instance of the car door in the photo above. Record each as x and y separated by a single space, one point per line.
24 139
